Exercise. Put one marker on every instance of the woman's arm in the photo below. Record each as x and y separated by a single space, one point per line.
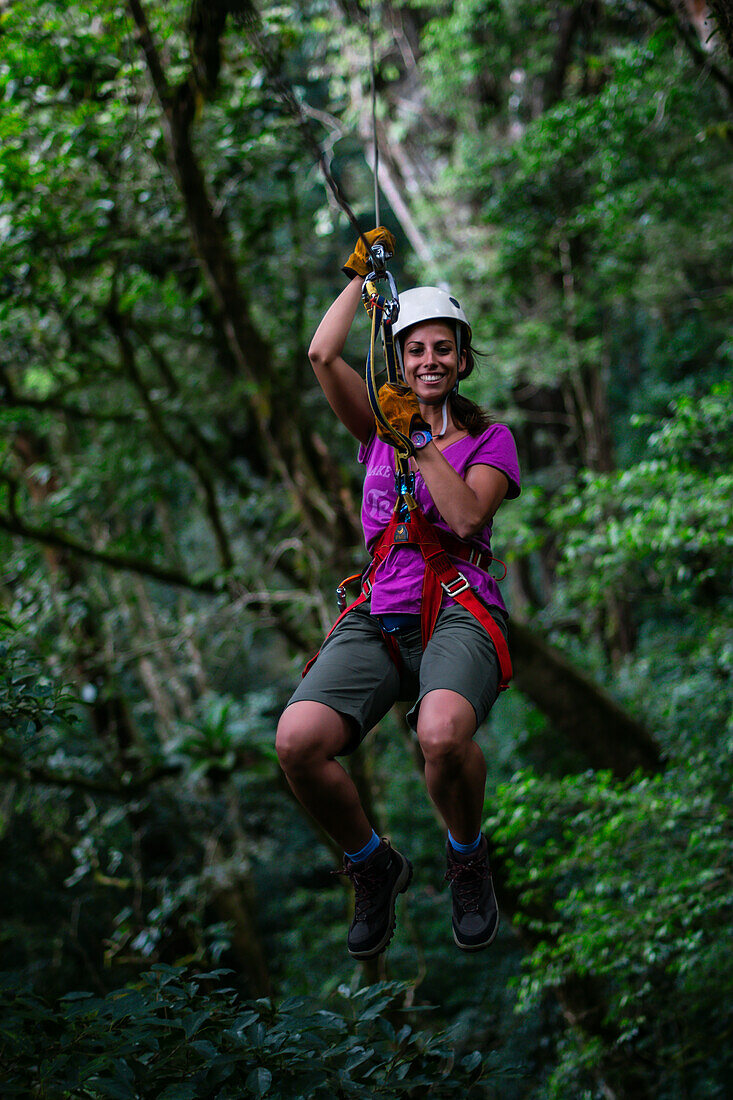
466 506
345 390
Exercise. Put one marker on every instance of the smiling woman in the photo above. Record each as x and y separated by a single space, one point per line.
450 661
420 310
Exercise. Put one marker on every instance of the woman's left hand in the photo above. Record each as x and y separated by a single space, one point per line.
360 262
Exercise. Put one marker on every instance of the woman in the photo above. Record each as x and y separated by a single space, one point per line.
464 468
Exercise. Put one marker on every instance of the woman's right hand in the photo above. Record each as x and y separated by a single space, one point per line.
400 407
360 262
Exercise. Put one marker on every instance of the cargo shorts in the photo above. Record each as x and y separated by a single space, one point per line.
355 674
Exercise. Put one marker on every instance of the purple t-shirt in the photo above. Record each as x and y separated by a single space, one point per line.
399 579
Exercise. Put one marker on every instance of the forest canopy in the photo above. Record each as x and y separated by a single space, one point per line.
178 503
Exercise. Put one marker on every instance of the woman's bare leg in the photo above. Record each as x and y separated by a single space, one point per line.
309 736
455 769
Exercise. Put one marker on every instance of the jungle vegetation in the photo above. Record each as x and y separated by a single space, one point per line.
177 506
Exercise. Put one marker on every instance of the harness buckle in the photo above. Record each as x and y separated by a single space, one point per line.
341 600
450 588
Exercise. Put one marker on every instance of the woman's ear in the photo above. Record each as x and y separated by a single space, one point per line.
462 365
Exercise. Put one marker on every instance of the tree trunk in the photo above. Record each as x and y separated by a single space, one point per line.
593 723
280 438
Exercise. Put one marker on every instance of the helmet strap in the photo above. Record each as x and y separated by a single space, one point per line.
398 354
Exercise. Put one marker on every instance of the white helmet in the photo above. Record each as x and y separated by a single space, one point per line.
429 303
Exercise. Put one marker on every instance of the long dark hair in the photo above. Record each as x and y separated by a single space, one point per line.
466 412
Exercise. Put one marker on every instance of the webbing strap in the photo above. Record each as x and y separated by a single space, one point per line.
360 599
441 576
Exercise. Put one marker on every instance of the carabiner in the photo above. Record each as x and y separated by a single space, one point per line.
369 293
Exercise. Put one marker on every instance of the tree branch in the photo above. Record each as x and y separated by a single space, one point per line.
191 456
723 13
692 44
212 584
568 21
301 634
13 768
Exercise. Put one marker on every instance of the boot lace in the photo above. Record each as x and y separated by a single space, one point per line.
466 880
366 883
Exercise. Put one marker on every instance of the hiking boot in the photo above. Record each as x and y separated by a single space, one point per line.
377 882
475 912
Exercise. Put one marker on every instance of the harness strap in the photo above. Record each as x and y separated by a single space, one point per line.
390 640
360 599
441 575
380 554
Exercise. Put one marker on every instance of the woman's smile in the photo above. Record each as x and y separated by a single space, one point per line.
430 359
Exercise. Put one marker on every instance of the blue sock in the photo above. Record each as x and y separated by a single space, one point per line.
366 851
464 849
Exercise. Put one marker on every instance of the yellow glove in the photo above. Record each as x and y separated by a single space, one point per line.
401 408
360 262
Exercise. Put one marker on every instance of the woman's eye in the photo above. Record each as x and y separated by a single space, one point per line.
440 349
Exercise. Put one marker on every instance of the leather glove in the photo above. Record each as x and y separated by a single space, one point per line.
401 408
360 262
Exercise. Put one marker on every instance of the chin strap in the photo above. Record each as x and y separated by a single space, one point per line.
444 427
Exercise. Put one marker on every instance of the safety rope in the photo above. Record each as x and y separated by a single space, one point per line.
383 313
248 18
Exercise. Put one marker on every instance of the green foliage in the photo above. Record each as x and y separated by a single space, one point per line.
640 879
662 528
576 161
30 700
605 207
226 732
181 1034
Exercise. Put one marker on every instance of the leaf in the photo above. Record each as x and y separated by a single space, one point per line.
259 1081
181 1090
121 1087
191 1024
472 1061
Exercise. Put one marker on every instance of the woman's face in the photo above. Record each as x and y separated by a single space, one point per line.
430 361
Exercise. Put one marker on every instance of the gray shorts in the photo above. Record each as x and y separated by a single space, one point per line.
356 676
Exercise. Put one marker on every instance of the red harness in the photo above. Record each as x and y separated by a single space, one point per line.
441 576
